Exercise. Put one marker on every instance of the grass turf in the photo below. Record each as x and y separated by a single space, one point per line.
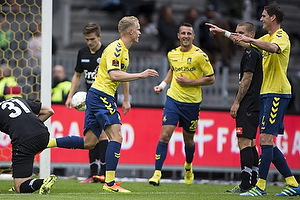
70 189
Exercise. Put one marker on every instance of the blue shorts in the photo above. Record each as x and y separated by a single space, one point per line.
187 114
101 110
272 110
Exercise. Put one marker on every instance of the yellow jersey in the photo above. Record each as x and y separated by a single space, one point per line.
192 64
114 57
275 65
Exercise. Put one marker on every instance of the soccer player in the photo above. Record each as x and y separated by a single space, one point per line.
88 59
245 108
188 63
102 113
275 95
23 121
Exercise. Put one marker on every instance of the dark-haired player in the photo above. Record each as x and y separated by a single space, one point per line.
245 109
275 95
88 59
188 64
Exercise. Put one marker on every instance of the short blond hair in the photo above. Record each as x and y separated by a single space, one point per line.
125 23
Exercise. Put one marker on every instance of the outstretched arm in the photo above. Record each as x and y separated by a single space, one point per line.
120 76
267 46
215 30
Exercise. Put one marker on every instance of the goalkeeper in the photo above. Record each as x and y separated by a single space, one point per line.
23 121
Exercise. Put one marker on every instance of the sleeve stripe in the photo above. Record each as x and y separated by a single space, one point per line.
112 70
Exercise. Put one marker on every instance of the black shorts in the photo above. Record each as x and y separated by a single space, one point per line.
247 123
23 155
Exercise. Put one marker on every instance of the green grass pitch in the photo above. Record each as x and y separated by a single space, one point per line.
72 189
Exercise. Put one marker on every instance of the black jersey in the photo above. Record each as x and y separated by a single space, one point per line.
88 64
252 62
18 119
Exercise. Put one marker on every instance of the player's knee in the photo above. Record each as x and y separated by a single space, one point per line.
266 139
189 143
164 139
90 145
244 142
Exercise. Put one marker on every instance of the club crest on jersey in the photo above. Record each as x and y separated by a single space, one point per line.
189 60
115 63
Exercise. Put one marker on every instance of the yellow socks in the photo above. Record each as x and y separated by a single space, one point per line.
110 176
187 165
261 183
52 143
291 181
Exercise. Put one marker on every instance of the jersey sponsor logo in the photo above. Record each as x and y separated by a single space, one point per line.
90 82
90 75
85 60
239 130
265 54
115 63
184 69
